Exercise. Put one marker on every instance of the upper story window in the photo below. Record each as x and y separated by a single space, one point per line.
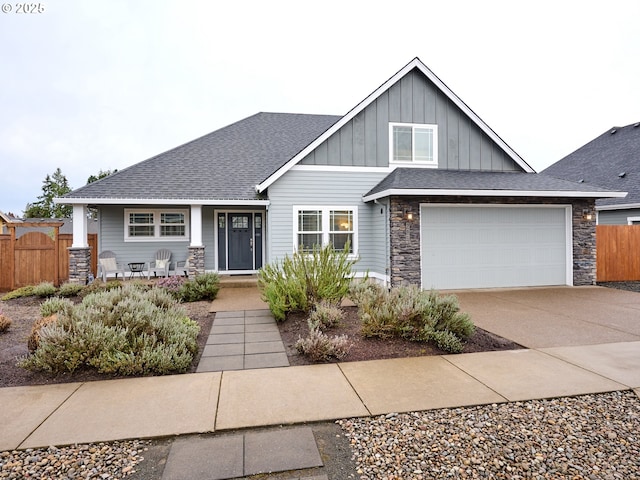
413 143
152 224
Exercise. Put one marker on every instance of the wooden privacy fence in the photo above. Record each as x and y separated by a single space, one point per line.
618 253
37 257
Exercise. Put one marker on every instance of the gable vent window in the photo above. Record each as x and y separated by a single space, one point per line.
152 224
413 143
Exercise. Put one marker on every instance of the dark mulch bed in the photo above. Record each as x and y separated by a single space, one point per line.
295 326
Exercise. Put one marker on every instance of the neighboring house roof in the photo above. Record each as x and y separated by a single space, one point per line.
422 181
611 160
416 63
223 165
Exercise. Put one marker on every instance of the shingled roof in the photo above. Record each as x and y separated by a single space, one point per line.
427 181
226 164
610 161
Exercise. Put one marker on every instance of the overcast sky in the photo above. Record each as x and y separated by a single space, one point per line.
103 84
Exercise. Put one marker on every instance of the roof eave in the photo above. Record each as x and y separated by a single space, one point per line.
622 206
160 201
422 192
415 63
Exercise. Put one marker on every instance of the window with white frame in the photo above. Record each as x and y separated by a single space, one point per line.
323 225
155 224
413 143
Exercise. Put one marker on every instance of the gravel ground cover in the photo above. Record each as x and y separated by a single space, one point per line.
105 461
588 437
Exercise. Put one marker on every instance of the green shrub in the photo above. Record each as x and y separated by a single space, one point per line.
124 331
45 289
326 315
303 280
70 289
18 293
172 284
319 347
414 314
56 305
202 287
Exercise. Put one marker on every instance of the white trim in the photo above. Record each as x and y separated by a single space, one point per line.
630 220
347 169
415 63
618 207
157 212
568 220
488 193
79 239
196 226
326 209
158 201
413 161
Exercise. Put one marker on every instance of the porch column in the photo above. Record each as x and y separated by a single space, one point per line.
79 265
79 252
196 226
196 261
79 227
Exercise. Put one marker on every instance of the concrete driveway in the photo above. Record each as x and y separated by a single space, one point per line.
556 316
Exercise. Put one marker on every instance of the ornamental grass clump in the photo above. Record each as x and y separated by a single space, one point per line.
413 314
123 331
319 347
69 289
305 279
45 289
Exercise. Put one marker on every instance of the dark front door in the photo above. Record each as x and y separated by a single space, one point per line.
240 241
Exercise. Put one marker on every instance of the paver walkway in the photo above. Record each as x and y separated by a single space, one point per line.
243 340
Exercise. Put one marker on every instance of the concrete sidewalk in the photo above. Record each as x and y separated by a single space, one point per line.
40 416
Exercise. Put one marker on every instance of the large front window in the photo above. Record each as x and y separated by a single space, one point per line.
319 226
413 143
152 224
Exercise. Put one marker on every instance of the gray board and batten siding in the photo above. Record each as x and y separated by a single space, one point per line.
322 188
364 141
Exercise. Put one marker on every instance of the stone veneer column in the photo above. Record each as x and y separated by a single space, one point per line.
196 261
404 242
79 265
584 242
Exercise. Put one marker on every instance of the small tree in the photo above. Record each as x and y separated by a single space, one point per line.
53 186
101 175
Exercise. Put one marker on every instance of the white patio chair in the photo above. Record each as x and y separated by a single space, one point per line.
182 268
161 264
108 265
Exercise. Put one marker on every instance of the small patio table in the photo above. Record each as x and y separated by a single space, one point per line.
136 267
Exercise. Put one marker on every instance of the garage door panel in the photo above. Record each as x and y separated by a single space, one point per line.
483 247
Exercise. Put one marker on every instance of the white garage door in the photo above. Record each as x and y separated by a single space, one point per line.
493 246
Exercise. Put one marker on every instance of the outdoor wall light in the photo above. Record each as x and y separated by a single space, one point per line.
408 214
587 215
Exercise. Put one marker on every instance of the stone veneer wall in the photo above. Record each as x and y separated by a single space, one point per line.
196 261
79 265
405 234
